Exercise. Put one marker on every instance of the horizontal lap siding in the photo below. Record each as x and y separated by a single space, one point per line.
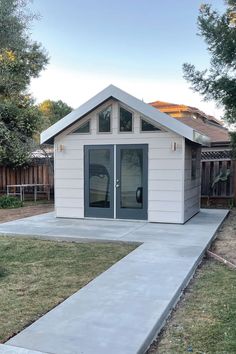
165 175
192 187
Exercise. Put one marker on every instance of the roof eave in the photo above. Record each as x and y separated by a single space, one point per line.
201 139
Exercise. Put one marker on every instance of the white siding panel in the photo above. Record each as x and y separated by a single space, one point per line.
164 206
189 184
192 211
69 203
164 195
69 193
70 153
191 202
70 183
166 175
170 217
69 174
77 213
193 192
192 187
157 185
76 141
69 164
170 164
165 154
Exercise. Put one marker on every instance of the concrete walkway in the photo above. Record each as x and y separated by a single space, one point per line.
121 310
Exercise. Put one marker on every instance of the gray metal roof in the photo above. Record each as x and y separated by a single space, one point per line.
145 109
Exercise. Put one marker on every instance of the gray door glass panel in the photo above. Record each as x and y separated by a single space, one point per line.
131 181
99 181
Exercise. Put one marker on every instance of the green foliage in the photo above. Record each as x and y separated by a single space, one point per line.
221 177
233 144
8 202
19 120
17 67
13 23
218 82
52 111
20 60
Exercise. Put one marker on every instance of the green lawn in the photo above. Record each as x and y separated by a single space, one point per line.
36 275
205 319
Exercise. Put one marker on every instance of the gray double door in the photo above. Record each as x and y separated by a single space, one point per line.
116 181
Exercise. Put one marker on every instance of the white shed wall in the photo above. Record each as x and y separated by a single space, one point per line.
165 171
192 187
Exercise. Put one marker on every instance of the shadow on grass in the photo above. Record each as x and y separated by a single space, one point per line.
3 272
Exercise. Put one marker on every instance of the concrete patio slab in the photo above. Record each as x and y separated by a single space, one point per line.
121 310
71 229
9 349
50 227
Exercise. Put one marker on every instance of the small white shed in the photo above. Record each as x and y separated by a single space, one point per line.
118 157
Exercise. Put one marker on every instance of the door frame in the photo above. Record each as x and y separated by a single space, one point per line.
115 212
131 213
94 211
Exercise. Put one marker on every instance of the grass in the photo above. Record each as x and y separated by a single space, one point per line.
205 319
36 275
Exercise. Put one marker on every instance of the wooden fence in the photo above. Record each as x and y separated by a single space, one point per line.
40 173
222 189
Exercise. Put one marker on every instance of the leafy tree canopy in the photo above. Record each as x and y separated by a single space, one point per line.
20 60
52 111
219 81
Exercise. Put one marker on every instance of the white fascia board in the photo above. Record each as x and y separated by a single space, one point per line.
145 109
74 116
201 139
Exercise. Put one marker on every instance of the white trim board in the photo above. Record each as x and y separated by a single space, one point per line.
145 109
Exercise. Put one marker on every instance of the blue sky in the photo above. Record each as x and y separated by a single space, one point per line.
137 45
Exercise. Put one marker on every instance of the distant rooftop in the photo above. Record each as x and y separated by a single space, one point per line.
197 119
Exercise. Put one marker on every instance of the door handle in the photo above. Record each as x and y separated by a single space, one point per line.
139 195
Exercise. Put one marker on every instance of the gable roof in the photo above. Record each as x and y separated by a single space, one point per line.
145 109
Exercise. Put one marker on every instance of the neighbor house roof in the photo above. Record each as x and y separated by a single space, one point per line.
216 134
193 117
145 109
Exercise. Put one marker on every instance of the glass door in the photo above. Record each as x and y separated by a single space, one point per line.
99 181
131 181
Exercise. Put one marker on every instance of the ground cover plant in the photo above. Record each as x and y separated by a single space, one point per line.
36 275
7 202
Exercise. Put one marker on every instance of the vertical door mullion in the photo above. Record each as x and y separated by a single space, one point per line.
115 178
118 178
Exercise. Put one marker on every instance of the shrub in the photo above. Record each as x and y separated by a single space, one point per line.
7 202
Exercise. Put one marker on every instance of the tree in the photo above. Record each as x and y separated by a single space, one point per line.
52 111
20 60
219 81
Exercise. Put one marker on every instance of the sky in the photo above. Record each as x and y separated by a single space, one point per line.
137 45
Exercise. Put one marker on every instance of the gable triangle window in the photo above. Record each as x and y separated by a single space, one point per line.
83 129
148 127
104 120
126 120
